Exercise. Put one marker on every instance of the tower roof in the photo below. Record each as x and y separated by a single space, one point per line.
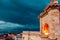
53 5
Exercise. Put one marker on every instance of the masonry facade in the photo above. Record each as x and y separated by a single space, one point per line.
50 21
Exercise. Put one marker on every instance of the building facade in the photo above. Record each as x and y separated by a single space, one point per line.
50 21
30 35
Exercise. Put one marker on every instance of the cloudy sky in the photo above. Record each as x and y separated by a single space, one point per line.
21 14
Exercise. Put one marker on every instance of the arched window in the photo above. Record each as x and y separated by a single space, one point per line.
46 29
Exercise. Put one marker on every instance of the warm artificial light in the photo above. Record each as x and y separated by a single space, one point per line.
46 29
46 33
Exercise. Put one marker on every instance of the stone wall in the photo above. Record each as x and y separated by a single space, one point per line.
43 20
52 19
54 23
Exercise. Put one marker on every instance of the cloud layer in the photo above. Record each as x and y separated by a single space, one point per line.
12 27
21 14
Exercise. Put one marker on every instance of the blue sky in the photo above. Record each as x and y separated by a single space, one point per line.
23 14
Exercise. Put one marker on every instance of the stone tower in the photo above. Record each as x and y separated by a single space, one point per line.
50 20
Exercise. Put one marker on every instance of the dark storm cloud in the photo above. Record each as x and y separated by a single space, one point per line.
23 12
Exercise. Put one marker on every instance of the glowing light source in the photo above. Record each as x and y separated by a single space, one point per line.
46 29
46 33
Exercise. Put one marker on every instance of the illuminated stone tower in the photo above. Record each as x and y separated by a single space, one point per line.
50 21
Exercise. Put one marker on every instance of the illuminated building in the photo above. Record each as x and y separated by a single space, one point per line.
50 21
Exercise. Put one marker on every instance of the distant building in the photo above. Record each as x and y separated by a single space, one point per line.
19 36
50 21
30 35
